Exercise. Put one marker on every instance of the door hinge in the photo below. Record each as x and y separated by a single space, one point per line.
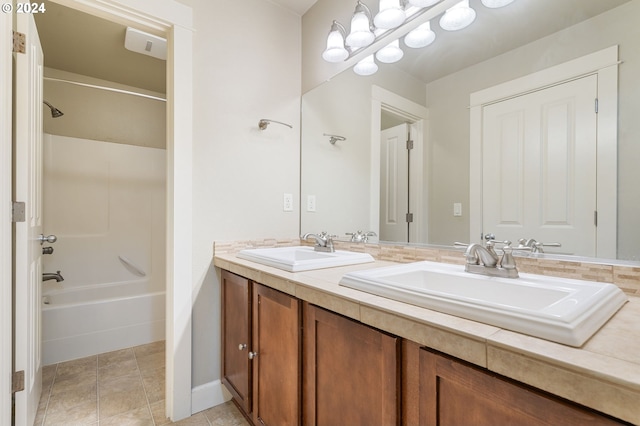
409 144
409 217
17 382
19 42
17 211
596 105
595 217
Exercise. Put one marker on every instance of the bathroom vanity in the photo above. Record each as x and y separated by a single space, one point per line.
298 348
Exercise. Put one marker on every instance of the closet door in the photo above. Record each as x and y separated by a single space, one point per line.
539 167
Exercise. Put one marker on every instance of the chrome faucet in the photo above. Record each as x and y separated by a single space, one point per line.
361 237
535 246
324 241
485 261
46 276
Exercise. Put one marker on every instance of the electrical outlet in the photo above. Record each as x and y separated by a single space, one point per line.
287 202
457 209
311 203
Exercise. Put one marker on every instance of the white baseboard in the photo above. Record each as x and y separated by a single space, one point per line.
208 395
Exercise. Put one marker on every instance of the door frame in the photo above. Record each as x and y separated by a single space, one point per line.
6 236
417 115
173 20
604 63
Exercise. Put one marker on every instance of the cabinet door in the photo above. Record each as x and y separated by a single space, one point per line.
350 372
276 368
236 335
455 393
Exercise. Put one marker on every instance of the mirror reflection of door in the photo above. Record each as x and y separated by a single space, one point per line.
394 183
539 167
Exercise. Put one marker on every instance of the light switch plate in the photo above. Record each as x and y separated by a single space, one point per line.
457 209
311 203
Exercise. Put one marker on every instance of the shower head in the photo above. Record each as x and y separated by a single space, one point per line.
55 112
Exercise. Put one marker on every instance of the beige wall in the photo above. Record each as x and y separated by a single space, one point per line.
103 115
246 67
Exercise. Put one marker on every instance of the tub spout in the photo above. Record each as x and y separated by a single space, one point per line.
46 276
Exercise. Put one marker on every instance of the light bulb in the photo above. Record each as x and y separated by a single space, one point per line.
360 35
422 36
390 53
493 4
458 17
391 14
335 51
367 66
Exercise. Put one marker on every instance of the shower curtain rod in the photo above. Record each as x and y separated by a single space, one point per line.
110 89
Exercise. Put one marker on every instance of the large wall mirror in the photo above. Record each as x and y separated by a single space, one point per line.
363 182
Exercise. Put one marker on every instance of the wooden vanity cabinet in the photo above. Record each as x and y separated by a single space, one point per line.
452 392
261 351
236 338
350 372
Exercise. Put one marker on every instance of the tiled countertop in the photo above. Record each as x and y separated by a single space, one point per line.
603 374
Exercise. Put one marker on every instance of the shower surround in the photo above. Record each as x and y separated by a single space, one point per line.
106 204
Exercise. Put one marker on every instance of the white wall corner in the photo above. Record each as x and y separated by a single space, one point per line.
208 395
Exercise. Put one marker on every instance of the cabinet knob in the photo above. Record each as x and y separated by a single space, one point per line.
242 346
252 355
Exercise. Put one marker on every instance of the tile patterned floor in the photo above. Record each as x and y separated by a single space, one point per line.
118 388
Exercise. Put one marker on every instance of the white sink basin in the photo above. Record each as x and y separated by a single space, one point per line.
295 259
561 310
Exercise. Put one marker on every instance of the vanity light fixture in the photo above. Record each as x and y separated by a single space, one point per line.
334 138
361 34
264 122
422 36
493 4
367 66
335 51
390 53
391 14
458 16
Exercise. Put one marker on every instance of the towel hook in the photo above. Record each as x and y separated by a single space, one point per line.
264 122
334 138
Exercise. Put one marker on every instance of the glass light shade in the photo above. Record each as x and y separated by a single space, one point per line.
458 17
423 3
493 4
335 51
360 35
390 53
367 66
422 36
391 14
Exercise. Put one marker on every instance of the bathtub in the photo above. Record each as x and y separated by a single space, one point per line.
81 321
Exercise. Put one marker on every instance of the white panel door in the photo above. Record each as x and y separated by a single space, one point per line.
28 188
394 181
539 167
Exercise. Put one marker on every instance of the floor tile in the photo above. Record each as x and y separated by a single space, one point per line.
120 388
198 419
158 413
225 414
83 414
137 417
